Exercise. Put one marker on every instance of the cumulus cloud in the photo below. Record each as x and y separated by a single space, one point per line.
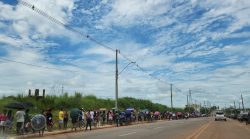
198 45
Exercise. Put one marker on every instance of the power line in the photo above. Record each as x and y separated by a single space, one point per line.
33 65
28 5
142 69
28 44
84 35
44 67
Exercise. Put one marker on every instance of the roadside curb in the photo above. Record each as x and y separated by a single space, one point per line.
57 132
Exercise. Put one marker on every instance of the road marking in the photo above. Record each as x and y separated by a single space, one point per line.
127 134
198 132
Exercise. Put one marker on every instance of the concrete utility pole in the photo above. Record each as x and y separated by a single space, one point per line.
171 88
242 103
195 104
62 89
187 100
190 97
234 105
116 80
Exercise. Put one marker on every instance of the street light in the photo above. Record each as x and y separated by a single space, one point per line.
116 78
126 67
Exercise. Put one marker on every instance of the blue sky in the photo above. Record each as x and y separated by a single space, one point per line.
197 45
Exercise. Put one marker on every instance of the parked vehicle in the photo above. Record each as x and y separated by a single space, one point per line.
219 115
242 117
248 121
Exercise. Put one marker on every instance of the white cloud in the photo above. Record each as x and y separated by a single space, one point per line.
162 57
127 12
27 23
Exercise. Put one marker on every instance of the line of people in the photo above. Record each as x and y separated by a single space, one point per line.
81 119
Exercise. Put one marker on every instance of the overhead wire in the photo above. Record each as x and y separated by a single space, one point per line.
33 65
84 35
45 67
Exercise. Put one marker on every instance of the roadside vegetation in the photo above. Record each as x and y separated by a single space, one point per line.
88 102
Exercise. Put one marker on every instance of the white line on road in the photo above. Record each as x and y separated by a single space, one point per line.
127 134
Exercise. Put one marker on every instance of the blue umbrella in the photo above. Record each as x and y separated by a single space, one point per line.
130 109
19 105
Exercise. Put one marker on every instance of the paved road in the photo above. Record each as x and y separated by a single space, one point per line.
201 128
226 130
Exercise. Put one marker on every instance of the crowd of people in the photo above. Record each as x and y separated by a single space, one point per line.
82 119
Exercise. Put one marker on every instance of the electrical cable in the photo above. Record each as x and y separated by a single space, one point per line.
37 10
44 67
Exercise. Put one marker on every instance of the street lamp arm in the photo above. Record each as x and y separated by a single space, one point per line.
126 67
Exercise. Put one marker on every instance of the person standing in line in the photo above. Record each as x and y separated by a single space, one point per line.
92 117
65 119
110 117
27 124
89 120
80 119
98 118
3 119
74 119
103 116
117 118
20 121
95 119
43 112
60 118
49 119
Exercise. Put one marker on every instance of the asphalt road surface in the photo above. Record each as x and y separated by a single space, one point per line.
200 128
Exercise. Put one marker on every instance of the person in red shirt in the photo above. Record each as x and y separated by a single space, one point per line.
3 119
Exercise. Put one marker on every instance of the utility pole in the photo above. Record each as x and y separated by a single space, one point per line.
171 86
62 90
195 105
242 103
190 97
234 105
116 80
187 100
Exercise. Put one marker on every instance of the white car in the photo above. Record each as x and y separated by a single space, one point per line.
220 116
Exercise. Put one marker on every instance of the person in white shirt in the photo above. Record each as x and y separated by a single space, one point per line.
92 116
19 121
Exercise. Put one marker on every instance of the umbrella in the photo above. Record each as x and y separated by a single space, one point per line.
27 104
38 122
157 113
19 105
130 109
122 115
74 112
